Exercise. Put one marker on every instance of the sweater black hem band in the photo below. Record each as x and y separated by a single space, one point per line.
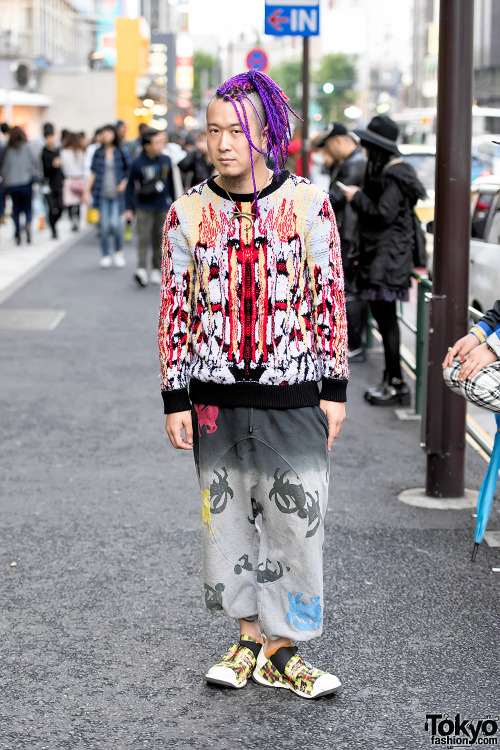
253 394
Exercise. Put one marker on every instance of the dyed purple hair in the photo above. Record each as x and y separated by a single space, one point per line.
276 109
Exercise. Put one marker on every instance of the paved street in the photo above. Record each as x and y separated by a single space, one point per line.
104 633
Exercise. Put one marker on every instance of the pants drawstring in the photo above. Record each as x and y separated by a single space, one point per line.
250 420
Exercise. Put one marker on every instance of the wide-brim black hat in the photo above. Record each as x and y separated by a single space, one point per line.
381 132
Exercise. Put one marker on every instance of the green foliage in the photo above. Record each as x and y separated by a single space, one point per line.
287 75
339 70
203 61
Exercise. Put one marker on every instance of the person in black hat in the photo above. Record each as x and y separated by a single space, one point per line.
386 244
53 177
348 167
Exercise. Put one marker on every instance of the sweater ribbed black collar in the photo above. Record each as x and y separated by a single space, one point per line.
275 183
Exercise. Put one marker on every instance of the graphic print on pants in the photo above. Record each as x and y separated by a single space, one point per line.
264 500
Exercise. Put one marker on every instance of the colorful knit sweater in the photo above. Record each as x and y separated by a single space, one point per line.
252 314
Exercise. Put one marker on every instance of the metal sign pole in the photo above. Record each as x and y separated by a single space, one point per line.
445 439
305 106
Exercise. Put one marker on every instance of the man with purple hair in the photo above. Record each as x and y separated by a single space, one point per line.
252 321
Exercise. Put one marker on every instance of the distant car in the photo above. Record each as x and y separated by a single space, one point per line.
484 273
485 243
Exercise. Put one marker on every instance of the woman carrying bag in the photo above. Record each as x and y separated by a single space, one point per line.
73 167
19 170
107 182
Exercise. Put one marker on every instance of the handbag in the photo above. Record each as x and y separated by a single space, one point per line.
77 185
92 215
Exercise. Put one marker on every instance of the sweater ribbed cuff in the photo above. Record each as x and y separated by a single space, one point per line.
479 332
333 390
177 400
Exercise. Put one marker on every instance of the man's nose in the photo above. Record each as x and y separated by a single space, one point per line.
224 143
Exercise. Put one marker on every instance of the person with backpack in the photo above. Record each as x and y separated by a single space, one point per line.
107 182
150 190
18 171
386 246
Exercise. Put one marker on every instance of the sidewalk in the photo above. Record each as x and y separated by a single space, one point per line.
20 263
104 630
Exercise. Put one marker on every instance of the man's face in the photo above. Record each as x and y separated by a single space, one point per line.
50 140
334 147
121 130
228 147
155 148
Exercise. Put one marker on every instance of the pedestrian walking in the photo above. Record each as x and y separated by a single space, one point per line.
386 245
107 182
150 190
19 170
53 177
348 167
252 318
196 165
73 167
472 365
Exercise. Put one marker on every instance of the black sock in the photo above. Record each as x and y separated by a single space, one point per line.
254 647
282 656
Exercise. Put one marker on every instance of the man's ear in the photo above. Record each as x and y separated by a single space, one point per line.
263 138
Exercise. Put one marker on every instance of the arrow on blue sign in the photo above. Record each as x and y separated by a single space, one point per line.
292 20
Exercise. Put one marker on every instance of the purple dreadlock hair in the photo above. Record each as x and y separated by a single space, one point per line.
275 109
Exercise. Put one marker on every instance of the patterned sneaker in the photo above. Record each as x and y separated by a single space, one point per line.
286 669
235 667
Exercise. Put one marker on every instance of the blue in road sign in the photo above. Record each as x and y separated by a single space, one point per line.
286 19
257 59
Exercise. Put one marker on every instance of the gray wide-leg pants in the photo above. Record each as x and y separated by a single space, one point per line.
263 476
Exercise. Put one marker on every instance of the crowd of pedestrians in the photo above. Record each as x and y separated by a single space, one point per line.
371 190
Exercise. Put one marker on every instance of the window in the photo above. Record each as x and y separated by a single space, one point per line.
480 215
494 229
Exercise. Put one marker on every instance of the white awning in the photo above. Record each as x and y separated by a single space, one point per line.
14 98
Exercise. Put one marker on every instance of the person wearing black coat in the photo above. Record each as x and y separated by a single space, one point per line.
53 177
385 246
196 166
348 167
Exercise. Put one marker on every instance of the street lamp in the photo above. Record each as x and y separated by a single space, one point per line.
328 88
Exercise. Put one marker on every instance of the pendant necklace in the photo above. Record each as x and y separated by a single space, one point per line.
237 214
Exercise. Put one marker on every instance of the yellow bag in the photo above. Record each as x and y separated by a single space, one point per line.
92 215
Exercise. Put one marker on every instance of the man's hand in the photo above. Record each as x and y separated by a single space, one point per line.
174 425
474 362
349 191
335 413
129 215
461 348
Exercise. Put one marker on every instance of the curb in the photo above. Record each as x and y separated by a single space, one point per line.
41 264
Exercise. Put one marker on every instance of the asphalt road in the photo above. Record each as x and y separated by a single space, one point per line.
103 631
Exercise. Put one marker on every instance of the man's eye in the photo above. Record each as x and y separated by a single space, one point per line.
236 131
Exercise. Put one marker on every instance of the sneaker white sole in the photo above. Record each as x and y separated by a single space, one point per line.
324 685
223 676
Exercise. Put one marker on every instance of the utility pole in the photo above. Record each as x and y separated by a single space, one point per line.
305 106
446 413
